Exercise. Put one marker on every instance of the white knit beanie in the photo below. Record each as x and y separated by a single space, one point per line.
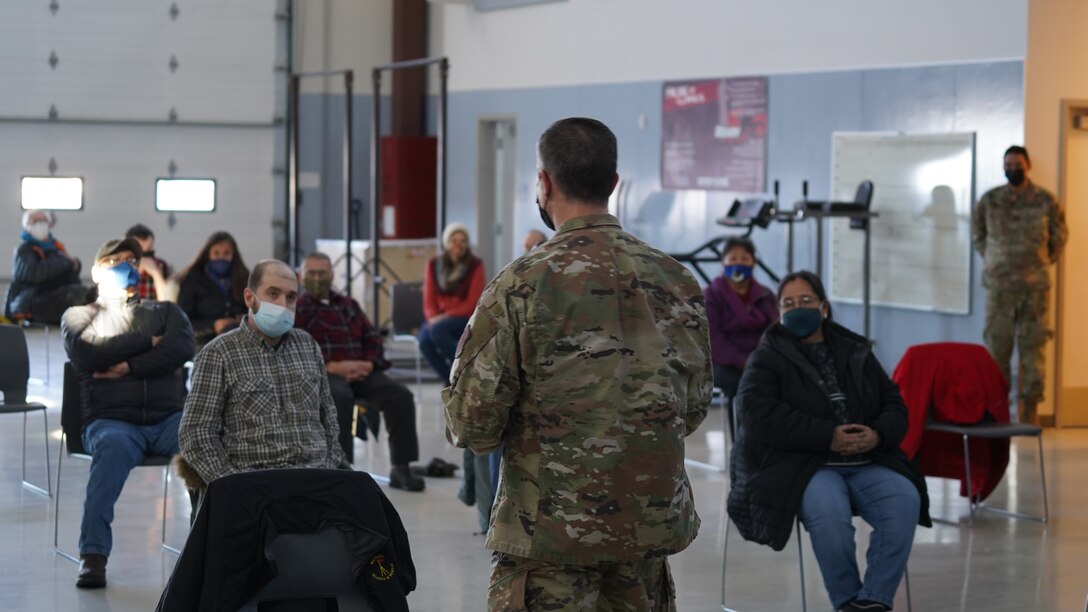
452 229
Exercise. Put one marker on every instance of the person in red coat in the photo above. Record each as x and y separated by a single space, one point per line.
453 283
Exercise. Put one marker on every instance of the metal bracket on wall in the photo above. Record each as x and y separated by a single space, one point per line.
53 60
54 6
173 64
53 112
174 12
52 166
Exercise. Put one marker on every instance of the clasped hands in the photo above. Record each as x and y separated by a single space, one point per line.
350 371
854 439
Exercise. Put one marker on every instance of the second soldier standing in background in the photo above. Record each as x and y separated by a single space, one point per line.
1019 230
589 358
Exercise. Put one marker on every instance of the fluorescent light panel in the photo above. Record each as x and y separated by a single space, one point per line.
52 193
185 195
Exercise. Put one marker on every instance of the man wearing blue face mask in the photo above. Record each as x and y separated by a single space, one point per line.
260 397
128 357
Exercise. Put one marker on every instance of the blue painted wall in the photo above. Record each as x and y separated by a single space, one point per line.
986 98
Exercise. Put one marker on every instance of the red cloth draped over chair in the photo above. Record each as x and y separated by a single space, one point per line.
958 383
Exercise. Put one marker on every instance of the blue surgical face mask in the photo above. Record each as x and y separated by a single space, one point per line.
219 268
802 322
272 319
119 278
738 273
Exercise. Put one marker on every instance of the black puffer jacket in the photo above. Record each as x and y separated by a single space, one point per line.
786 426
36 273
105 333
202 300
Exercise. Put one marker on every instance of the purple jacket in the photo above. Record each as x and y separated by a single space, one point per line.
736 327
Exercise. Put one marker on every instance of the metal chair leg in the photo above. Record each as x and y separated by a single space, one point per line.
967 470
801 563
725 555
165 497
48 491
56 508
1042 478
906 578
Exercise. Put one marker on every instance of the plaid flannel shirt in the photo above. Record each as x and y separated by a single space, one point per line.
146 287
254 406
341 329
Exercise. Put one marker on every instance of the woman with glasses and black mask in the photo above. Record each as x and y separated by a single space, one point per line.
820 424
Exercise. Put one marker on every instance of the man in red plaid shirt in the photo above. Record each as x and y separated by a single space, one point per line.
355 362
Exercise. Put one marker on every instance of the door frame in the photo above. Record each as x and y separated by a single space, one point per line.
1071 107
485 175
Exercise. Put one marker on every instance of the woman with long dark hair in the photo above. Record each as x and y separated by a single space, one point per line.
212 286
820 427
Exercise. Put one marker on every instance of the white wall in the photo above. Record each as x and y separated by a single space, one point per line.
606 41
342 35
113 90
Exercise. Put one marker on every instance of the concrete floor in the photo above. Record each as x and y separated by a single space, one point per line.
999 564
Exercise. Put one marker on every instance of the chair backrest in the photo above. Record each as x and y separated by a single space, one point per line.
406 304
14 364
864 194
71 412
312 569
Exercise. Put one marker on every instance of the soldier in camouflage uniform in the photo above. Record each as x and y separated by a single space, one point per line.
1019 230
589 358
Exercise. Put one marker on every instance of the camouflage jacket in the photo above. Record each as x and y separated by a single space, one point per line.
589 358
1018 236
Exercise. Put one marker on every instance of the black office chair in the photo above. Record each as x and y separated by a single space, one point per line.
14 373
71 439
406 305
28 324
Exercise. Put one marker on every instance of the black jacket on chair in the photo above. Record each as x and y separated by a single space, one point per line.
787 423
224 561
102 334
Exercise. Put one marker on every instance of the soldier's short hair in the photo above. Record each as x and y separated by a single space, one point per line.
1018 150
580 156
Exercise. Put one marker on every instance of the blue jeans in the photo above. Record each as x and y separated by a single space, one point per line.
116 447
438 343
883 498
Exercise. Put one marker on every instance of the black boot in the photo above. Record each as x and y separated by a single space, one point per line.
402 478
92 572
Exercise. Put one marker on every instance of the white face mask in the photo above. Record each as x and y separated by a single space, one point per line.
39 230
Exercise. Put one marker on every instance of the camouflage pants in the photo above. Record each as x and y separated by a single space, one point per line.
1020 316
519 584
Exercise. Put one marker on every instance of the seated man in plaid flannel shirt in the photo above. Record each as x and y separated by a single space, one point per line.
355 361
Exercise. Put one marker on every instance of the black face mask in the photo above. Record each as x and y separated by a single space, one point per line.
544 216
1016 177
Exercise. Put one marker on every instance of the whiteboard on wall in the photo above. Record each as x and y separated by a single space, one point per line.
921 242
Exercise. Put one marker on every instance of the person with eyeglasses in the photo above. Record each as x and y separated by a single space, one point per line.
129 358
820 424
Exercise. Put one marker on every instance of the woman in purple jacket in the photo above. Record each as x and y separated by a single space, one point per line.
740 310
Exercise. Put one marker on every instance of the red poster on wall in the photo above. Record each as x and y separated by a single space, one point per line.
714 134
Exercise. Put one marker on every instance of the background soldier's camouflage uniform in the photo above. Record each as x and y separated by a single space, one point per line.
590 358
1018 237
